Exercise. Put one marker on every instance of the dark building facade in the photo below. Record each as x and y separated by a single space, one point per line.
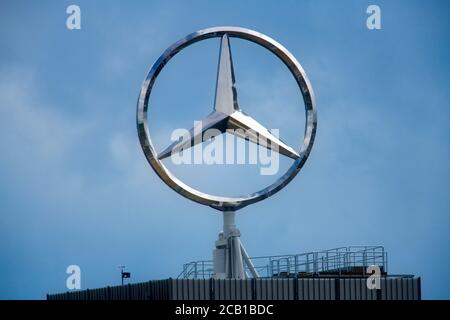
392 288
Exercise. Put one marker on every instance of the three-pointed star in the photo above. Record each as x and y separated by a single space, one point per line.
227 116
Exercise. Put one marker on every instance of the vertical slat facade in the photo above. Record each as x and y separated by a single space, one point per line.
253 289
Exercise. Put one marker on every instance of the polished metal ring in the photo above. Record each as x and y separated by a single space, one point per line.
220 202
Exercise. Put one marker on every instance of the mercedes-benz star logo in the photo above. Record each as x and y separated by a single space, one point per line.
228 117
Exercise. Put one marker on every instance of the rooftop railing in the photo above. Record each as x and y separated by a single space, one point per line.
336 261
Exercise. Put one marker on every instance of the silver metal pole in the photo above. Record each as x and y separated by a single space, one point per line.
229 225
228 259
237 263
249 263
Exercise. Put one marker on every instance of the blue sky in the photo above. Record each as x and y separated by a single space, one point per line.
75 187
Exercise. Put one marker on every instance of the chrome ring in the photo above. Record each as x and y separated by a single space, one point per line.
219 202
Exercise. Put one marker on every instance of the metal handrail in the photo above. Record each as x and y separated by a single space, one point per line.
341 259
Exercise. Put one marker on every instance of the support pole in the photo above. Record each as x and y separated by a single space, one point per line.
229 255
249 263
